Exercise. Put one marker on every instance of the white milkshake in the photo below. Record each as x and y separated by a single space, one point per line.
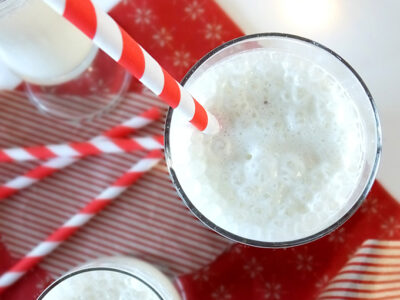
40 45
289 154
121 278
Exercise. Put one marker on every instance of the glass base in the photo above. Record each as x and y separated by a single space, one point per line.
96 90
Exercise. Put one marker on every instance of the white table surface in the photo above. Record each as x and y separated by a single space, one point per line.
364 32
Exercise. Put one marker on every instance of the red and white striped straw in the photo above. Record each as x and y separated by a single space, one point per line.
114 41
46 169
78 220
82 149
131 126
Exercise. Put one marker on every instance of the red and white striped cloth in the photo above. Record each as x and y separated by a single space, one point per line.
373 272
80 219
81 149
47 168
117 43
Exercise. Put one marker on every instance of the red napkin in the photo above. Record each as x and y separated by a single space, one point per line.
310 271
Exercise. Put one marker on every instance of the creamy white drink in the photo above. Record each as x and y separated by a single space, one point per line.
119 278
289 154
102 284
40 45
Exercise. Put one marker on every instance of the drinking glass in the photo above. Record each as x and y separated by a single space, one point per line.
65 74
339 69
137 276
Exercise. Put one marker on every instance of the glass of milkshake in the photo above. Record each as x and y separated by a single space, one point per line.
299 144
66 75
122 278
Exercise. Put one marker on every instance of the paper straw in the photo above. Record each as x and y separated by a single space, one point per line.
131 126
82 149
114 41
53 165
78 220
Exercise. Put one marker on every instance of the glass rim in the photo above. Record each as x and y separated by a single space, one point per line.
280 244
91 269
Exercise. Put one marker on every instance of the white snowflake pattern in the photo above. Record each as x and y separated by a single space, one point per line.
391 227
221 293
162 37
304 262
194 10
273 291
40 285
182 59
99 87
89 72
237 248
202 275
43 283
143 16
48 89
337 236
213 32
253 268
370 206
323 282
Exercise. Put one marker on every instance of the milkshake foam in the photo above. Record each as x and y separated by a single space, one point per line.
122 278
288 156
95 285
